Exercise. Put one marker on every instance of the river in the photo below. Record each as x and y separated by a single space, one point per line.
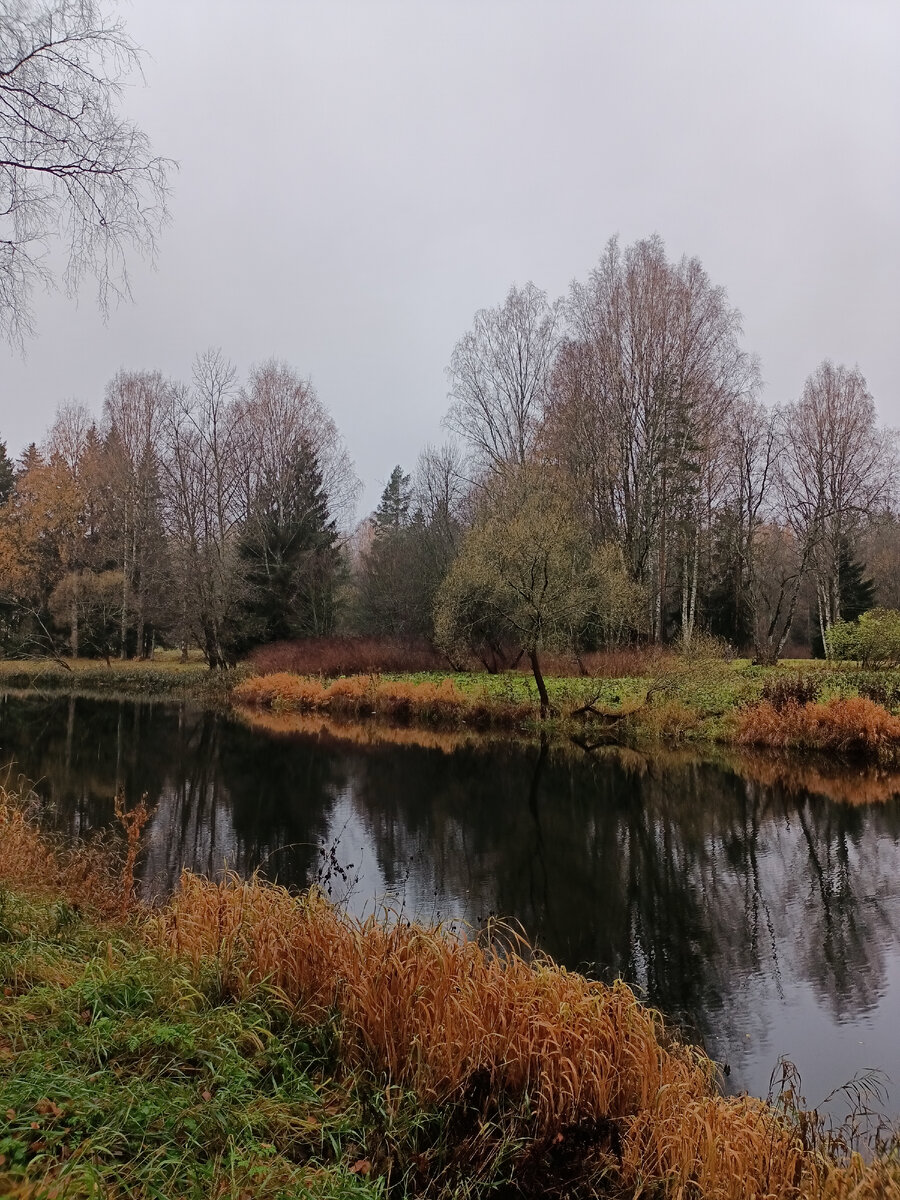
757 903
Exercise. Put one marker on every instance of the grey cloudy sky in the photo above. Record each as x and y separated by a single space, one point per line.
356 179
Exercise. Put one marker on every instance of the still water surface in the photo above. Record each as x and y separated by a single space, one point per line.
743 902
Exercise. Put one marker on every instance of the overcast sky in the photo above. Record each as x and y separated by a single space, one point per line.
356 179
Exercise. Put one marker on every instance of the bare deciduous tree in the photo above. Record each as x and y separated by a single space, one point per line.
837 469
642 389
135 408
70 165
500 377
201 460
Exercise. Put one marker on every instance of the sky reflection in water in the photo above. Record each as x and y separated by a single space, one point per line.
762 914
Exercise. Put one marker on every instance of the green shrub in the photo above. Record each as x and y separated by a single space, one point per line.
873 640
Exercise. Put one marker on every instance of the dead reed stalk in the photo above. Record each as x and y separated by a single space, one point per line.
35 862
132 821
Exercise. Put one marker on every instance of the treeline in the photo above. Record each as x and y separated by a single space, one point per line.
201 514
614 478
628 483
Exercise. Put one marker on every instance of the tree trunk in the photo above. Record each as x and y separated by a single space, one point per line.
73 618
539 680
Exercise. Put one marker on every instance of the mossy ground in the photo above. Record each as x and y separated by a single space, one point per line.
122 1075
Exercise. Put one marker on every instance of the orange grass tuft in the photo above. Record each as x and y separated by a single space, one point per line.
369 695
88 875
852 727
453 1018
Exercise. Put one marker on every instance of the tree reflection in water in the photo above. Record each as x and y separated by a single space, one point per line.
761 913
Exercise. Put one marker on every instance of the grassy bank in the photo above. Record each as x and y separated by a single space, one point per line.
165 675
808 707
245 1042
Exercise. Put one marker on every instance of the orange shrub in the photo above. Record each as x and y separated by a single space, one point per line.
853 727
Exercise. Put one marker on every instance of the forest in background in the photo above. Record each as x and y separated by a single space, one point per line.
613 477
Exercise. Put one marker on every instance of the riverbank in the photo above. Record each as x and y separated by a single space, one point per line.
806 707
244 1041
797 706
164 675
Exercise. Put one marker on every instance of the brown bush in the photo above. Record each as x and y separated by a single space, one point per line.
331 656
854 727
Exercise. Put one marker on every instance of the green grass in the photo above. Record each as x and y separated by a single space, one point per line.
164 675
121 1076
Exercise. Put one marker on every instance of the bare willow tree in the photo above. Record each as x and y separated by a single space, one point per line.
837 470
70 165
500 377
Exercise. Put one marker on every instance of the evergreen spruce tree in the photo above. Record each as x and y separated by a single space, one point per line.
289 556
393 508
7 474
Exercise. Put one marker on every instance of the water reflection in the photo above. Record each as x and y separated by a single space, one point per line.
761 912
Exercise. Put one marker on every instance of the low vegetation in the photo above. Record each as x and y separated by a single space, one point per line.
671 698
333 656
164 675
244 1041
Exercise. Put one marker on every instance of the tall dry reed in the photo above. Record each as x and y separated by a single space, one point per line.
92 875
461 1021
853 727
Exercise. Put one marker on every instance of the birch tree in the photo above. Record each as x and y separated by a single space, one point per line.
72 168
836 471
202 465
500 377
135 408
652 368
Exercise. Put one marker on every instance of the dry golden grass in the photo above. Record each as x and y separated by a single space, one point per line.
542 1056
454 1018
86 875
851 727
369 695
